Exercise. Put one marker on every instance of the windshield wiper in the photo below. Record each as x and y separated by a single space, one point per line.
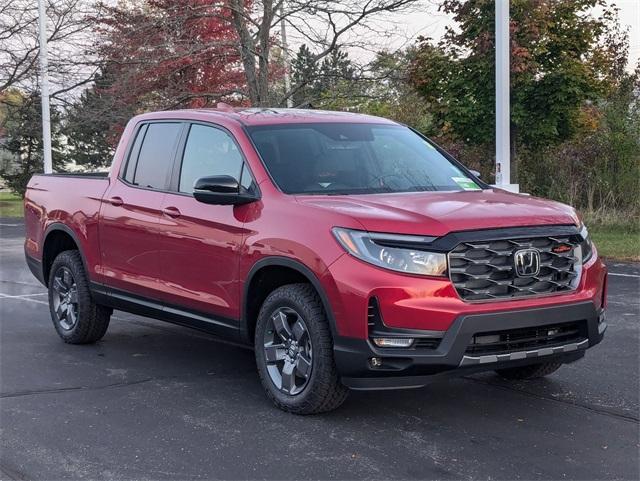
424 188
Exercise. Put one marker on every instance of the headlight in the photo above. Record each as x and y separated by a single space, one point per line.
586 246
395 252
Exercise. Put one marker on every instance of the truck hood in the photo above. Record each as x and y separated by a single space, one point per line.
438 213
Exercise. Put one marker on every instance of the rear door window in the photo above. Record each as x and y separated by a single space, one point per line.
155 161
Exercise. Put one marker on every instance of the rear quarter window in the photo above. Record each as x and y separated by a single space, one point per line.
133 155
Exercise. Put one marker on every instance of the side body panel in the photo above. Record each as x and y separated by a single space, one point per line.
53 201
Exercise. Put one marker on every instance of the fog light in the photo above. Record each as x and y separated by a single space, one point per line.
392 342
375 362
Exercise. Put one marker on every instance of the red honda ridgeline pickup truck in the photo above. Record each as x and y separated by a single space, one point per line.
348 250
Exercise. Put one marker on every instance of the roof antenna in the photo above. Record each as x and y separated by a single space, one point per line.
224 107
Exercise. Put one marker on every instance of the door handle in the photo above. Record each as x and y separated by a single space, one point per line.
116 201
172 212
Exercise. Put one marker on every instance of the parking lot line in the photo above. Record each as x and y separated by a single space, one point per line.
22 298
23 295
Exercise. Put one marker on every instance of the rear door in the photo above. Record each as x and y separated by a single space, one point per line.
129 226
201 242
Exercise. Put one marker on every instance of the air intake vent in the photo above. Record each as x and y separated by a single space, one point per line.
529 338
427 343
373 313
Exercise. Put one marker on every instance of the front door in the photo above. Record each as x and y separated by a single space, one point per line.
201 242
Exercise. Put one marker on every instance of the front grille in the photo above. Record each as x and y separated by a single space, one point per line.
486 270
528 338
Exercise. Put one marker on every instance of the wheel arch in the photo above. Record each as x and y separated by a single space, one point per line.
251 306
58 238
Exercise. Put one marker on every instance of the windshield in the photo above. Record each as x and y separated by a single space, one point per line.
341 158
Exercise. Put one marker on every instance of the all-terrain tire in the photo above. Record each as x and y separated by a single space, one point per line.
323 391
91 320
532 371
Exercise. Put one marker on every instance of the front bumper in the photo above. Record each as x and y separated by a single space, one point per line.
407 368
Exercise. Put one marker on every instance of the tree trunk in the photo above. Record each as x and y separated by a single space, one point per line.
263 55
247 49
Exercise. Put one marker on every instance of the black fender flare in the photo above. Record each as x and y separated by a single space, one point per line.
291 264
58 226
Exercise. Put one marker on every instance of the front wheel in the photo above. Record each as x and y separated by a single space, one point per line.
76 317
294 352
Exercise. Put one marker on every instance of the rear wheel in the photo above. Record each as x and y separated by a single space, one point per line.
294 352
529 372
76 317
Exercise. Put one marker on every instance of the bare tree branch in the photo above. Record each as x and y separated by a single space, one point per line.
324 24
69 34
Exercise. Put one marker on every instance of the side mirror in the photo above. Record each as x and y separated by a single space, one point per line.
476 173
221 190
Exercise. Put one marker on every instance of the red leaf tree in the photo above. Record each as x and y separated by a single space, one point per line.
172 53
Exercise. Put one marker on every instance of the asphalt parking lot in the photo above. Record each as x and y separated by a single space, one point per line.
157 401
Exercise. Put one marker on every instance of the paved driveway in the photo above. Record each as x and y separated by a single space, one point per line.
156 401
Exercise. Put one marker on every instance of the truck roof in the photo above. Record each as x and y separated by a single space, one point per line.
251 116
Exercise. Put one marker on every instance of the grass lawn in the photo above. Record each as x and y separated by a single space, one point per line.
10 205
615 233
620 242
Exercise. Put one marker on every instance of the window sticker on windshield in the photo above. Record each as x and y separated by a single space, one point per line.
466 184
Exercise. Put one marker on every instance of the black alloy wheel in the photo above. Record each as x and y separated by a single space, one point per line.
288 351
65 298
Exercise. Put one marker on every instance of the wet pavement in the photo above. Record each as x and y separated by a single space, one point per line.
157 401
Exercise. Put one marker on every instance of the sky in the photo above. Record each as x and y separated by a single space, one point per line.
428 22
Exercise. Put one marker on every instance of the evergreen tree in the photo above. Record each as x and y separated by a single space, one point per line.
335 68
23 134
93 124
316 82
304 75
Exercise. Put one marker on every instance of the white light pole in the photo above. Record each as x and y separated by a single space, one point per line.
503 152
44 88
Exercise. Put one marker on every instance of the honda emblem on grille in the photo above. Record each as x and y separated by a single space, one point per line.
527 262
